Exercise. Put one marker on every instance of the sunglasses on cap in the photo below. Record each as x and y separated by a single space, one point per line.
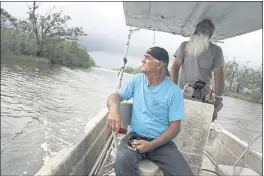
130 142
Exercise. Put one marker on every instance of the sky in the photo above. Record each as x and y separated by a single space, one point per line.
107 33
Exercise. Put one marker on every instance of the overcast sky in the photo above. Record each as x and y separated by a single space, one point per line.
105 25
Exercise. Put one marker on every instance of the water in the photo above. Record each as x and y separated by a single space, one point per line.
45 108
243 119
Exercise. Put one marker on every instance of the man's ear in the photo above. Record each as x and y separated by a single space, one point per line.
160 64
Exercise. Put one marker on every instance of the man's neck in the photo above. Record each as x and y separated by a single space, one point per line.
154 79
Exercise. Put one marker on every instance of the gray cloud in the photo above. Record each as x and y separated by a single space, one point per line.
105 25
101 43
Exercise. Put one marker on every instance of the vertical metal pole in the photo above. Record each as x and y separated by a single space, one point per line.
120 75
118 84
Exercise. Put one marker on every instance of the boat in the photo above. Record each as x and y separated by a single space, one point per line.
216 152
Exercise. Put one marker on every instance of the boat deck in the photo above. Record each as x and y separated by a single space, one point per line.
207 163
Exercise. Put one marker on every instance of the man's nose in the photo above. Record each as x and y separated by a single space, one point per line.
143 60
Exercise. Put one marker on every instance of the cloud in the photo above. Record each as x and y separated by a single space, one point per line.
105 25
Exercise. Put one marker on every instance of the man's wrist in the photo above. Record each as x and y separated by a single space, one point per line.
113 107
153 144
220 97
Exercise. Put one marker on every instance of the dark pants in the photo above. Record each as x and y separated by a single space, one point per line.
167 157
214 115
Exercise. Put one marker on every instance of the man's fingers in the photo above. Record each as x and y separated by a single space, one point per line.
135 142
113 125
134 146
117 125
138 142
140 147
109 123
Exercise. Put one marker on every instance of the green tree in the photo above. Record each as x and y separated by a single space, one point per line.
255 84
47 36
51 26
244 81
231 71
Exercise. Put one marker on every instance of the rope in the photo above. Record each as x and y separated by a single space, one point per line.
207 170
154 36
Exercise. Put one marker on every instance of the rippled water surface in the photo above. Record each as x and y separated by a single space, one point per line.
45 108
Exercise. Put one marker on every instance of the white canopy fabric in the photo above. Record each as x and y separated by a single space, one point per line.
230 18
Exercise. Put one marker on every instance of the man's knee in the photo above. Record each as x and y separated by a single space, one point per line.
126 162
125 156
121 156
172 161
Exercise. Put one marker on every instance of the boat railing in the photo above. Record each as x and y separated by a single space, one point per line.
228 146
248 147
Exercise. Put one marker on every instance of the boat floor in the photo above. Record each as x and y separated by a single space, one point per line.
207 163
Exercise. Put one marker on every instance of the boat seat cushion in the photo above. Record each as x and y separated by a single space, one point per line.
234 171
147 167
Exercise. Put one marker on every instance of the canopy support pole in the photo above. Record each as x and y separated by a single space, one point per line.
119 79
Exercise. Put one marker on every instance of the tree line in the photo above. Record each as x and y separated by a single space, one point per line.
43 36
242 80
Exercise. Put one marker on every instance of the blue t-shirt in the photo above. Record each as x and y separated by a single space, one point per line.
153 107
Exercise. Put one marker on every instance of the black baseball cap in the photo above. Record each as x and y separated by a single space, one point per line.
160 54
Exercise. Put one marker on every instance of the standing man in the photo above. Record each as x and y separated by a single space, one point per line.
199 58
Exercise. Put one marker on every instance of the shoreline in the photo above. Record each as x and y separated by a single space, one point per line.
240 96
26 58
35 59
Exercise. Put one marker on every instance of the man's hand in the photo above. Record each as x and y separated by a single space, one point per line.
218 104
142 145
113 119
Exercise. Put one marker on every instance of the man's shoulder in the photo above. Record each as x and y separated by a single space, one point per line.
137 77
174 88
215 46
183 44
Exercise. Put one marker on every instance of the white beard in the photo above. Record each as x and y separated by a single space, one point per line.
197 45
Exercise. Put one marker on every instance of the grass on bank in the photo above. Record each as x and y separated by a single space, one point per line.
242 96
26 58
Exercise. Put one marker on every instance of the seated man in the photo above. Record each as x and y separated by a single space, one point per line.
158 108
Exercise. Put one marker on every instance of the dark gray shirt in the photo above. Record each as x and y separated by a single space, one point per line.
200 68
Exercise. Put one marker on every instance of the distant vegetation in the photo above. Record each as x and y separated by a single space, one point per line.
46 36
243 82
130 70
240 82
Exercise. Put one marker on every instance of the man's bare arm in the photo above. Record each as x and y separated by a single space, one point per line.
114 100
168 135
219 81
175 70
113 118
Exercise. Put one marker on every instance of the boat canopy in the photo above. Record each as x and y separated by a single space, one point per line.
230 18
